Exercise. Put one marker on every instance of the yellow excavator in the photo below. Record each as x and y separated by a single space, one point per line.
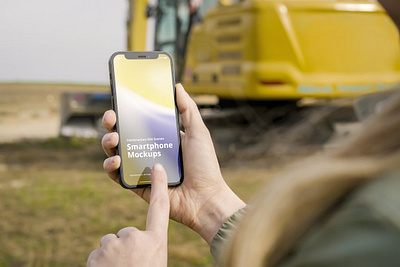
257 51
272 50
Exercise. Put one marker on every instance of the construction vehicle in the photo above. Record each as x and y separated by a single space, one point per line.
267 49
261 50
81 114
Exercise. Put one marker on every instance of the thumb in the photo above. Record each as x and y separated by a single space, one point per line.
190 115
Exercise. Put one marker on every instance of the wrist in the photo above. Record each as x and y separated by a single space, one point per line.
215 212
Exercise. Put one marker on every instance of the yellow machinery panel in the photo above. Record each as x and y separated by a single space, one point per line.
291 49
137 25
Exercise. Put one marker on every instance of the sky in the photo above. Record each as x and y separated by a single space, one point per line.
62 41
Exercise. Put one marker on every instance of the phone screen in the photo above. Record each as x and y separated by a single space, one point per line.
144 99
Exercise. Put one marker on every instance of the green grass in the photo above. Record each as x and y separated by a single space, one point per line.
56 203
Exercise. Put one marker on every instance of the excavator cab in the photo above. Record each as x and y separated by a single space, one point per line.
164 26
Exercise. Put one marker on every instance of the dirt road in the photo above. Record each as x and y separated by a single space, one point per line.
31 111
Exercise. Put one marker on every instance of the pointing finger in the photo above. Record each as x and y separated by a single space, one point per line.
158 214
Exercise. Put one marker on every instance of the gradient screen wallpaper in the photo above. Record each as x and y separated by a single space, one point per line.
146 118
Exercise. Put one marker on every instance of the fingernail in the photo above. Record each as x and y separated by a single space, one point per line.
181 86
158 167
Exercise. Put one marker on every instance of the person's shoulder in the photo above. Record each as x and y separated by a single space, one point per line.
362 230
381 196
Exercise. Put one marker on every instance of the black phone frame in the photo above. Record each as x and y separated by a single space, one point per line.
143 55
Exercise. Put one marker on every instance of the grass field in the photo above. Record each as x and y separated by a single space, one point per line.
56 202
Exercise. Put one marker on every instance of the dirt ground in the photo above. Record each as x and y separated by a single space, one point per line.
56 202
31 111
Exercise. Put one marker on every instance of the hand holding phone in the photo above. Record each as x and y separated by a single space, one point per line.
203 201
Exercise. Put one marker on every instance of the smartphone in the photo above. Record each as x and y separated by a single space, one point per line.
143 97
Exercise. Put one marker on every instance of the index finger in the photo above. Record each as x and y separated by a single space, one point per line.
109 120
158 214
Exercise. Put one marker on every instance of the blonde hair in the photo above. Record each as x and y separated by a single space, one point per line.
302 194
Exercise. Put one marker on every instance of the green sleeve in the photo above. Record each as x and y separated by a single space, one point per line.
364 231
224 233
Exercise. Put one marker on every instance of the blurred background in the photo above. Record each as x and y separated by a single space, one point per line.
275 82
